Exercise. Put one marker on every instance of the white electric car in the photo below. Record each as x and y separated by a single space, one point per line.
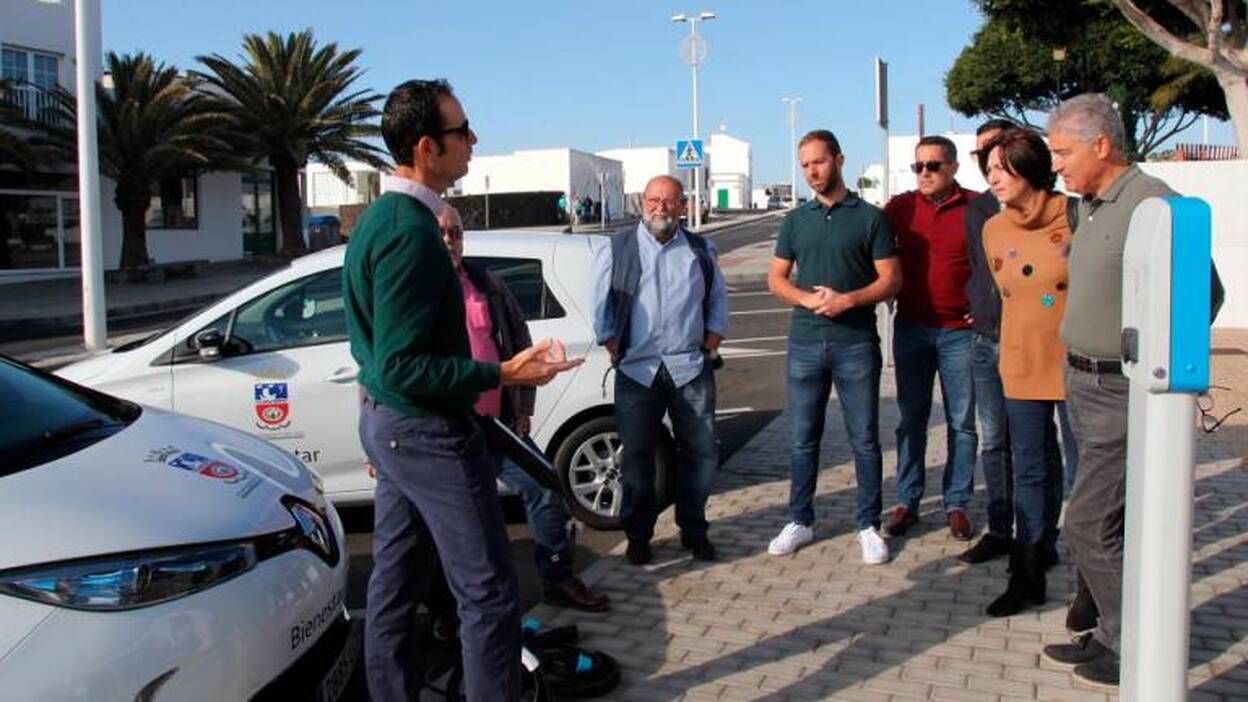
272 359
151 556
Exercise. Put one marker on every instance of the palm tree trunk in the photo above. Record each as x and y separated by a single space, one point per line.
289 205
132 201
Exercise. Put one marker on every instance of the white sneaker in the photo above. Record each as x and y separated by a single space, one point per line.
791 538
874 547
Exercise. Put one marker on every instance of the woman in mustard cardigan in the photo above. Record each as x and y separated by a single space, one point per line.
1027 246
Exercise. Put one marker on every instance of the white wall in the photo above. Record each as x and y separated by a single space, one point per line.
583 178
521 171
46 27
1221 184
325 190
219 236
732 170
645 162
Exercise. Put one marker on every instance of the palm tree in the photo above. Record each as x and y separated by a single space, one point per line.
296 101
153 125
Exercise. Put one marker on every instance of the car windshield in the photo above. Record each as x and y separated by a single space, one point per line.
45 418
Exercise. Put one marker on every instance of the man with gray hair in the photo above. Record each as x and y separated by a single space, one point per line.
661 310
1087 138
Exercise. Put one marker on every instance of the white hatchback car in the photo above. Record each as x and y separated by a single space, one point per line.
150 556
272 359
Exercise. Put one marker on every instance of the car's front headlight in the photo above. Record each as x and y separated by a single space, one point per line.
132 580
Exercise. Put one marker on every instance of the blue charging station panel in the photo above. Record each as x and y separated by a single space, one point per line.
1190 285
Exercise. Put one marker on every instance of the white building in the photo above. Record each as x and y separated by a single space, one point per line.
731 172
326 192
575 173
213 217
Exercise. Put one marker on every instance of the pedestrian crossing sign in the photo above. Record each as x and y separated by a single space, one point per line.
688 153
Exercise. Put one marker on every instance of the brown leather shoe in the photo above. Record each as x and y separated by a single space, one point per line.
959 525
900 520
575 594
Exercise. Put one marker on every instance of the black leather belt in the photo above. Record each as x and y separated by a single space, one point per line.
1087 364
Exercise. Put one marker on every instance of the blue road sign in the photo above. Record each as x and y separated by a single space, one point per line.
688 153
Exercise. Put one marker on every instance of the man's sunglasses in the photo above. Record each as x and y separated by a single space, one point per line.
929 166
463 130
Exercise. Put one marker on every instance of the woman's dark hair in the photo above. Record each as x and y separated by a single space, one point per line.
411 112
1023 154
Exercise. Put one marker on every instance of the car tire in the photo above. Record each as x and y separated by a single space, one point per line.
588 462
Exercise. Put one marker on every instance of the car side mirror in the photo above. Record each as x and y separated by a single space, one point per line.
209 342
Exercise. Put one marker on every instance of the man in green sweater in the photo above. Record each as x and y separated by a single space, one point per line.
405 319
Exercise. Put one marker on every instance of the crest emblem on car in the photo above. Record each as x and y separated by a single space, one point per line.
272 402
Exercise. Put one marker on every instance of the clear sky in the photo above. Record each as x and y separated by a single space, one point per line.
598 74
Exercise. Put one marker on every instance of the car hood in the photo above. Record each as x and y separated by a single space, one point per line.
165 480
85 370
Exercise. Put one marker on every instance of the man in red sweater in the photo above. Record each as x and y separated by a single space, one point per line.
932 335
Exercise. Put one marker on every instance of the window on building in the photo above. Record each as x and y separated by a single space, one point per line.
258 203
14 65
174 204
46 71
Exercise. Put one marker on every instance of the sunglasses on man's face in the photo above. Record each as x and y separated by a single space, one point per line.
929 166
463 130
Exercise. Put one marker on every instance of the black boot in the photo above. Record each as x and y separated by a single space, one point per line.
1027 583
1083 614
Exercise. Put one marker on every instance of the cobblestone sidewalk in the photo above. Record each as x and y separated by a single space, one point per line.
821 625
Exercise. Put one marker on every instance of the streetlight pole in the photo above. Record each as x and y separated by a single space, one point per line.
87 46
792 103
693 51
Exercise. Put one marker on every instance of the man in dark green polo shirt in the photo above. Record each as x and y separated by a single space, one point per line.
1087 138
405 320
846 258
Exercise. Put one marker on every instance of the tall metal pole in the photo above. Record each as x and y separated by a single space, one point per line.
487 202
792 103
693 59
87 46
697 172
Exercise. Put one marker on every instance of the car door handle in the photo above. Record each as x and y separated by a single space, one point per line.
343 375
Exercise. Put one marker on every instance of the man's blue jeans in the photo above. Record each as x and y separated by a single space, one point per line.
548 521
919 354
639 414
994 438
854 368
1037 469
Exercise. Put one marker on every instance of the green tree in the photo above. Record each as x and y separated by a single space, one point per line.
1010 69
153 124
295 101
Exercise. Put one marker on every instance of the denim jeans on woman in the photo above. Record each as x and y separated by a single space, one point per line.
814 367
1038 468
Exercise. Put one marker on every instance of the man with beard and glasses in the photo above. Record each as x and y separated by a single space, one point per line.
661 311
846 259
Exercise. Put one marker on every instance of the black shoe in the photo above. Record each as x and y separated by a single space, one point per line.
1101 671
1081 649
1027 583
700 546
638 552
1083 614
1049 557
988 548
